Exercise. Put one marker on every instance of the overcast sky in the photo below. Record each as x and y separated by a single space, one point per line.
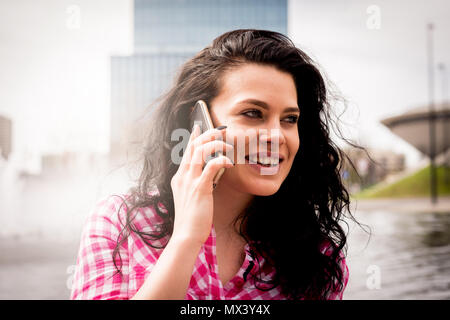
54 62
380 68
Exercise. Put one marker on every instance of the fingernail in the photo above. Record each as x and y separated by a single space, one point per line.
221 127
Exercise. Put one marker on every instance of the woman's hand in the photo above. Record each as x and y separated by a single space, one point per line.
192 187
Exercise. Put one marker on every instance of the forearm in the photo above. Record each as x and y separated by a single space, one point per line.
170 277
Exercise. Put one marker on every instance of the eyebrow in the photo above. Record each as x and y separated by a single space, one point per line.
264 105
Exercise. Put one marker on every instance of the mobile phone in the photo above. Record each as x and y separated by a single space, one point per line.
200 115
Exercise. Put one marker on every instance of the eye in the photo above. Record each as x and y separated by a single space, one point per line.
252 113
292 119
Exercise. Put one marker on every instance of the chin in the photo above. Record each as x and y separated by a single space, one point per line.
251 184
263 188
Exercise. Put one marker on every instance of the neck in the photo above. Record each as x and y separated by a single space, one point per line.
229 203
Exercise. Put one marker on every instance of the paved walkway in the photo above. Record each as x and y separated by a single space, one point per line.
403 204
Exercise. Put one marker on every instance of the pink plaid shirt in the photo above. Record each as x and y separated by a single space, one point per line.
96 278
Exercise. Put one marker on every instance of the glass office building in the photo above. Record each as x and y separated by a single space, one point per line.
167 33
195 23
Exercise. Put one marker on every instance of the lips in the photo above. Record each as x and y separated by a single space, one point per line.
266 159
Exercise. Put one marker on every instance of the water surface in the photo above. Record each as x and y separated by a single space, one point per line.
410 251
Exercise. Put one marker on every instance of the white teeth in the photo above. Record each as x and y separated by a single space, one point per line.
253 159
264 160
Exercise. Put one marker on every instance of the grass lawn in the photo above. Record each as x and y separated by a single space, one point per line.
415 185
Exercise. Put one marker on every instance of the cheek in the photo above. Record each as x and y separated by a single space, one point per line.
240 144
294 144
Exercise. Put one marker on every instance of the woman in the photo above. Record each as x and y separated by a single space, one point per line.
254 235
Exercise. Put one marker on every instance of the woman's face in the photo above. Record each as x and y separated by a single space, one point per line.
258 104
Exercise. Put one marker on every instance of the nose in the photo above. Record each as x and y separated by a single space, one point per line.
271 135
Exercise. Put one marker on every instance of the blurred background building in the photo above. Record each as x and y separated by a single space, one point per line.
413 127
370 167
166 34
5 137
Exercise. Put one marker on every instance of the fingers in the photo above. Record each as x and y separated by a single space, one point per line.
211 169
209 135
189 148
203 152
195 133
198 139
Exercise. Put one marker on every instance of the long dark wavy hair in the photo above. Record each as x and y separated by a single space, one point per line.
310 204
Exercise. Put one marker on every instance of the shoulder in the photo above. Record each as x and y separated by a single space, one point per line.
109 210
329 248
115 210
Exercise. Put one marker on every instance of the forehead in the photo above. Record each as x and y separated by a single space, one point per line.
258 81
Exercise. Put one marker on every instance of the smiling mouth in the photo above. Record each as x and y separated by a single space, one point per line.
263 161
